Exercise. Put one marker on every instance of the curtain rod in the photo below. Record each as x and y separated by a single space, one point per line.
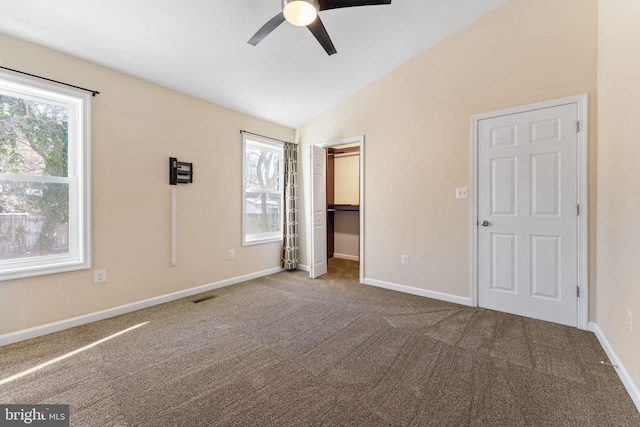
93 92
264 136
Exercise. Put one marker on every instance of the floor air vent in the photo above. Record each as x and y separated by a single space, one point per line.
203 299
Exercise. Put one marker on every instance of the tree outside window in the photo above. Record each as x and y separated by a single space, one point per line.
33 141
262 190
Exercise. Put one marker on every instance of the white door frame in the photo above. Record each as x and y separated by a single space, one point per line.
582 233
353 140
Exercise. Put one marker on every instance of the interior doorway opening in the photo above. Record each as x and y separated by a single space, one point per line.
337 237
343 203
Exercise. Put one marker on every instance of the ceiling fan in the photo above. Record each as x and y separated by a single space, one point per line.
305 13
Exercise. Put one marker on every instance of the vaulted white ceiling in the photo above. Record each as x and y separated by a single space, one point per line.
199 47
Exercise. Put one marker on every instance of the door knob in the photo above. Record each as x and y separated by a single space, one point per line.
485 223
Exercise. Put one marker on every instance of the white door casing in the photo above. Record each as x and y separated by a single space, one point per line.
530 245
319 211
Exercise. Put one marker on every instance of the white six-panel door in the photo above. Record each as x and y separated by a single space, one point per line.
319 209
527 213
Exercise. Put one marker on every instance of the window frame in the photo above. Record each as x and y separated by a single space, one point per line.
273 145
78 178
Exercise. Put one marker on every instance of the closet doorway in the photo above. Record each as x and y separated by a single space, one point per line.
337 203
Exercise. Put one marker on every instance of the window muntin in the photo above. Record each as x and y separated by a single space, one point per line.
263 177
44 178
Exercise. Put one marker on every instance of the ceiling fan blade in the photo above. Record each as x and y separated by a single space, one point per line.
266 29
320 33
335 4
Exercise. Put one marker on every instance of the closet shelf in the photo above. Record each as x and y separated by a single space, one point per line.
331 208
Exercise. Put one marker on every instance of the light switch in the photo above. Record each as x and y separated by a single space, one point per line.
462 193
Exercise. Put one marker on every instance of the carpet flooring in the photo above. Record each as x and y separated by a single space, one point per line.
285 350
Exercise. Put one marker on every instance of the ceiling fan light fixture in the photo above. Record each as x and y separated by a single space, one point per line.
300 12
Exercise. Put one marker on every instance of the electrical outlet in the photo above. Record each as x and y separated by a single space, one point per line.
629 320
462 193
100 276
404 260
231 254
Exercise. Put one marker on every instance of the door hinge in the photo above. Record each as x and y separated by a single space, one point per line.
578 210
578 127
578 291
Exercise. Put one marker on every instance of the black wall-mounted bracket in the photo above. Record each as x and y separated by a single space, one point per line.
180 172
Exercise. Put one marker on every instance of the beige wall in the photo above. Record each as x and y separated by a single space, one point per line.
347 180
417 126
618 179
136 127
346 234
347 192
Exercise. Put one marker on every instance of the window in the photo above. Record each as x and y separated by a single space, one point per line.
263 176
44 178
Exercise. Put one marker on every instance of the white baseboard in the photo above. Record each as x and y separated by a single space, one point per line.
347 257
304 267
26 334
631 386
419 291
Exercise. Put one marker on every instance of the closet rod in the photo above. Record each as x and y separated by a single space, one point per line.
340 155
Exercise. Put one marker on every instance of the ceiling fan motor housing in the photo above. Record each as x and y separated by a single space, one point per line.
300 12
